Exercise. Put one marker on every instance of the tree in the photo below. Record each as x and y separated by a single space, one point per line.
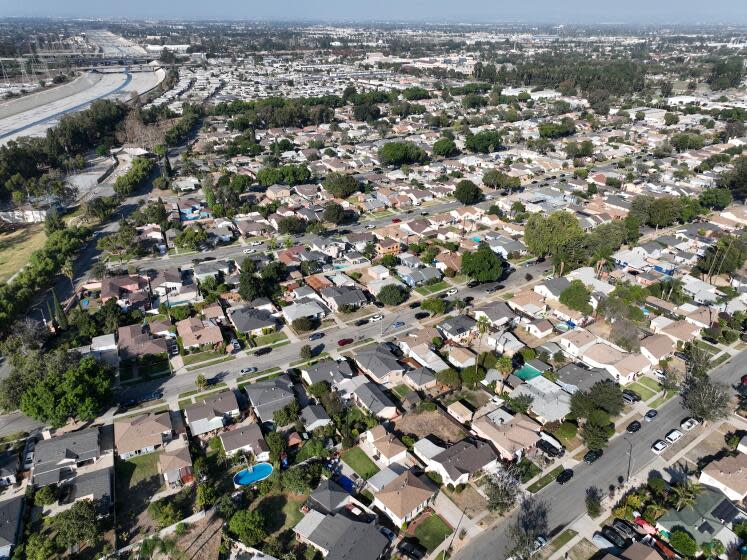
684 494
392 294
39 547
467 192
531 522
484 142
670 119
435 305
520 404
46 495
76 525
505 366
449 377
291 225
122 243
608 396
496 179
736 179
483 265
544 235
503 489
625 334
191 238
593 501
705 398
334 213
277 444
200 382
401 153
445 147
306 352
248 526
577 296
716 199
683 543
725 257
302 324
340 185
597 431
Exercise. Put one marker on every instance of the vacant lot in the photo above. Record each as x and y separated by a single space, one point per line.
137 479
436 422
16 246
469 500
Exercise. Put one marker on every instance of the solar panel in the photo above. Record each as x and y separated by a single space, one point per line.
725 512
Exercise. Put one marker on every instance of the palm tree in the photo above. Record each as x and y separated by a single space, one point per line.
505 366
483 326
68 269
685 493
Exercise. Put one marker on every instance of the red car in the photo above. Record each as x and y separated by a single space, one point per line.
396 220
344 341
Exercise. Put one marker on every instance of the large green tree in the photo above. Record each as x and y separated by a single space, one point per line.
483 265
543 235
467 192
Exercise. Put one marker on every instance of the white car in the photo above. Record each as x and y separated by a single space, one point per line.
451 291
673 436
248 251
689 423
370 226
659 446
375 318
255 243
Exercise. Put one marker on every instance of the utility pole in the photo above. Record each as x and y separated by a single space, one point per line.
630 458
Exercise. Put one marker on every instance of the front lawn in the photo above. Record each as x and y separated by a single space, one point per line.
650 383
270 338
431 288
661 400
357 460
431 532
190 359
645 393
527 470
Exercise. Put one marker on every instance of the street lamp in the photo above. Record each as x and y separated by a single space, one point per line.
630 457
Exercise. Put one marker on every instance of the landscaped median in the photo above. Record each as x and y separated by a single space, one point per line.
545 480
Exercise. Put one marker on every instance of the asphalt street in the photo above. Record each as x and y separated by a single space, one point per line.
566 503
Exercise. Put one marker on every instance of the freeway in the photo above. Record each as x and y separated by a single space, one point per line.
565 503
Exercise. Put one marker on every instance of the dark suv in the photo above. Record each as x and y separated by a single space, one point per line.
549 448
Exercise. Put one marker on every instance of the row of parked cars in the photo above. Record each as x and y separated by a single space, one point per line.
674 435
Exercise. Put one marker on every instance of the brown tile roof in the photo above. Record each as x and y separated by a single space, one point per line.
405 493
142 431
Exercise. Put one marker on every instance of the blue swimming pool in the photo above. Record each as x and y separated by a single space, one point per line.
248 476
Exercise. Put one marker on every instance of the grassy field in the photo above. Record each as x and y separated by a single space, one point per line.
545 480
357 460
16 246
432 532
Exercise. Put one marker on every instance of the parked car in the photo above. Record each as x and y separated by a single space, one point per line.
592 455
414 305
422 315
370 226
376 318
601 542
631 396
538 544
398 325
378 304
388 533
549 448
249 251
625 529
248 370
673 436
565 476
689 423
650 415
396 220
633 427
413 550
344 341
614 537
659 446
316 336
473 284
361 322
451 291
255 243
262 351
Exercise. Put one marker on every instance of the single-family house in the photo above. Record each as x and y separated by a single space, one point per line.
268 396
729 475
142 434
459 462
245 438
403 499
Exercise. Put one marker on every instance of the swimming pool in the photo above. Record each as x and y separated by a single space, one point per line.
527 372
250 475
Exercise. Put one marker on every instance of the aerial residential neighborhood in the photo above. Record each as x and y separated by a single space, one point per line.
319 288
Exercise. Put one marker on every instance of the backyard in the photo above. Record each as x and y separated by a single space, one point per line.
357 460
281 512
137 479
427 422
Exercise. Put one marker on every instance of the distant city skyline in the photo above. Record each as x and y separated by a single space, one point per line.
447 11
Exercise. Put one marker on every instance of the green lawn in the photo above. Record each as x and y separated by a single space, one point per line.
650 383
357 459
136 470
207 363
642 390
185 403
545 480
190 359
17 246
707 347
432 532
528 470
402 390
270 338
720 360
557 543
432 288
280 511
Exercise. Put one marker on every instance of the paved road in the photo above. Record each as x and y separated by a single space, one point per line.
284 355
566 503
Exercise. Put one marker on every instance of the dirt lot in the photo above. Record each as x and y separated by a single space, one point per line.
435 422
582 550
203 539
709 446
601 329
469 501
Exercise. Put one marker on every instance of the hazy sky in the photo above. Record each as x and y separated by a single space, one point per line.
584 11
